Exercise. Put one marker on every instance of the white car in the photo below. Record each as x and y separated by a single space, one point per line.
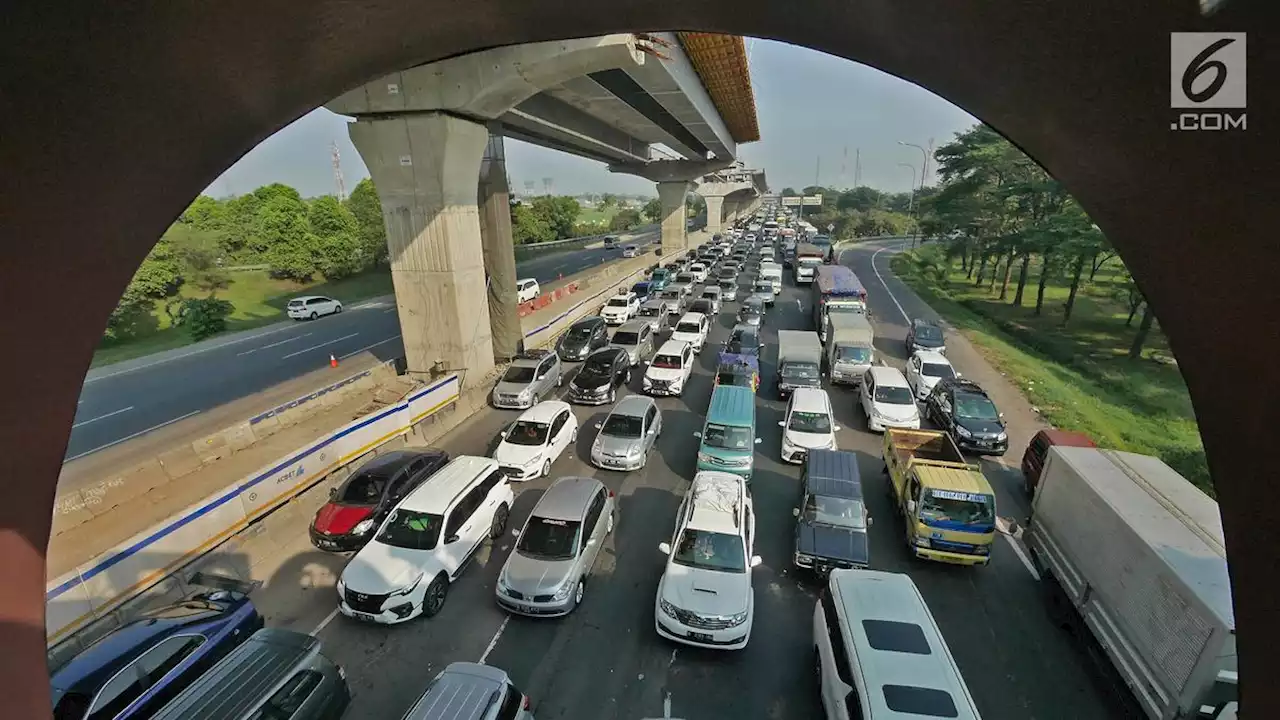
527 289
669 370
887 401
311 307
809 424
425 543
699 271
692 328
630 251
531 444
705 598
620 308
925 369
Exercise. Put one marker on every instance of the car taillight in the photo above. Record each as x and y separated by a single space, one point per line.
528 704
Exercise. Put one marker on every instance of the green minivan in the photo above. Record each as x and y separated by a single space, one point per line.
658 280
729 435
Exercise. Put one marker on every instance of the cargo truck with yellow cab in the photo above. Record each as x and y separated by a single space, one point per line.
947 506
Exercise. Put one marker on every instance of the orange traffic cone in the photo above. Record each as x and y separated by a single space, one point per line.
333 361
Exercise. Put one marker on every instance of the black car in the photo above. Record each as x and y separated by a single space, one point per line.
704 306
831 519
925 335
962 408
744 340
598 380
359 505
643 291
583 337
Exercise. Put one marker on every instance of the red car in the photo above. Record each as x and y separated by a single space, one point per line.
359 505
1038 450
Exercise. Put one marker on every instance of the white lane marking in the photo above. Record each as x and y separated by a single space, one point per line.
885 284
237 341
317 347
493 642
1022 555
325 622
130 437
367 347
102 417
274 344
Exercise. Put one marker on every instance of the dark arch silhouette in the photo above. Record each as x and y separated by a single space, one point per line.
115 116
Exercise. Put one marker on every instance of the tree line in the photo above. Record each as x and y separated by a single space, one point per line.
861 211
550 218
999 213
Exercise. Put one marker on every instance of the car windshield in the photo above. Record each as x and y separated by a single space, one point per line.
640 288
688 327
842 512
975 407
667 362
928 333
764 287
728 284
800 370
672 294
411 530
711 551
548 539
528 432
598 365
961 507
711 295
626 338
579 332
618 302
894 395
742 340
519 374
685 278
809 422
938 370
363 488
727 437
623 426
853 354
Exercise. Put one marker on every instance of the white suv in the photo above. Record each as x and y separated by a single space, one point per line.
669 369
692 328
809 424
887 401
425 542
705 596
312 307
620 308
527 289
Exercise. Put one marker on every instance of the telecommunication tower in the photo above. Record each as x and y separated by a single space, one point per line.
337 172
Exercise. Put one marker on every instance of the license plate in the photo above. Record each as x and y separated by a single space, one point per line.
700 637
364 616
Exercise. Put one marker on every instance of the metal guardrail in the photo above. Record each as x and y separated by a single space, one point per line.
524 252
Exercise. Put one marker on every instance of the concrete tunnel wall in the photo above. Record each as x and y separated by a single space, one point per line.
115 121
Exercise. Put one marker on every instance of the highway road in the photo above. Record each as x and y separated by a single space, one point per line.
123 401
605 661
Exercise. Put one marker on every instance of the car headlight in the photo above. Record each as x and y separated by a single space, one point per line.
526 392
411 588
804 560
704 457
1002 436
963 432
982 550
633 451
533 461
341 588
564 590
362 527
667 607
738 618
922 541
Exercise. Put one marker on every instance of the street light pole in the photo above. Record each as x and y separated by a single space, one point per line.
911 201
923 154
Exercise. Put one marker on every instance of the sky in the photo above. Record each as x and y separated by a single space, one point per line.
813 109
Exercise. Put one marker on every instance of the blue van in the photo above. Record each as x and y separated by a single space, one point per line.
729 435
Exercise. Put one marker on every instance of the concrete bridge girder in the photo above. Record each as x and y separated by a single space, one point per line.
719 197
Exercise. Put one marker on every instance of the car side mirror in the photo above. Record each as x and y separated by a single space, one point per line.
664 548
911 506
599 425
451 539
795 512
835 428
333 493
504 434
870 521
697 433
756 561
515 532
758 441
1001 416
782 423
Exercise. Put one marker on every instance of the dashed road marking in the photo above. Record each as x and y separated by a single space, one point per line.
885 285
493 642
102 417
325 622
317 347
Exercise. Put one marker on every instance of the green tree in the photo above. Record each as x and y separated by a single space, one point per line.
559 212
200 256
371 230
297 260
205 317
284 239
625 220
529 227
205 213
696 205
789 192
652 210
608 200
337 249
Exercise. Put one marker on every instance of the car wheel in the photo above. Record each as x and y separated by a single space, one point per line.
609 527
437 591
499 524
314 315
627 381
337 310
579 592
560 380
644 460
573 436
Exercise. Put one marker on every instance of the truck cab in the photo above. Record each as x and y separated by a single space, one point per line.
947 505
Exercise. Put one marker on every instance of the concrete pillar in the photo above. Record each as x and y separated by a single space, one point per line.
426 166
731 211
715 212
498 249
675 237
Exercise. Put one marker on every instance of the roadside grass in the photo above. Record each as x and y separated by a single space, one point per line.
259 300
596 215
1078 376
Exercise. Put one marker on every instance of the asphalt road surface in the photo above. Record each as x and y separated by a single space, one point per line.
121 402
605 661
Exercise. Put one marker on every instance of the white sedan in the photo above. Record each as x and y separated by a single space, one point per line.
925 369
538 438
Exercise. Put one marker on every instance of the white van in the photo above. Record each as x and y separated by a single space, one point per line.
880 653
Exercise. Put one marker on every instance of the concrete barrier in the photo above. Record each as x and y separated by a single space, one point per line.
524 252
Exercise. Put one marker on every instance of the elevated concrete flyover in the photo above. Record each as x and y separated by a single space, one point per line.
429 131
731 193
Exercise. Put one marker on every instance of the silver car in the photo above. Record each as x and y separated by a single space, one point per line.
728 290
627 434
636 337
752 311
762 290
546 574
528 380
654 312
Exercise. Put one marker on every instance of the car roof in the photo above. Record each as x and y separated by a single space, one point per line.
932 356
673 347
809 399
633 406
692 317
717 501
833 473
531 362
521 280
545 411
613 351
464 691
591 321
388 462
632 326
922 321
435 495
567 498
885 375
655 302
963 385
304 298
